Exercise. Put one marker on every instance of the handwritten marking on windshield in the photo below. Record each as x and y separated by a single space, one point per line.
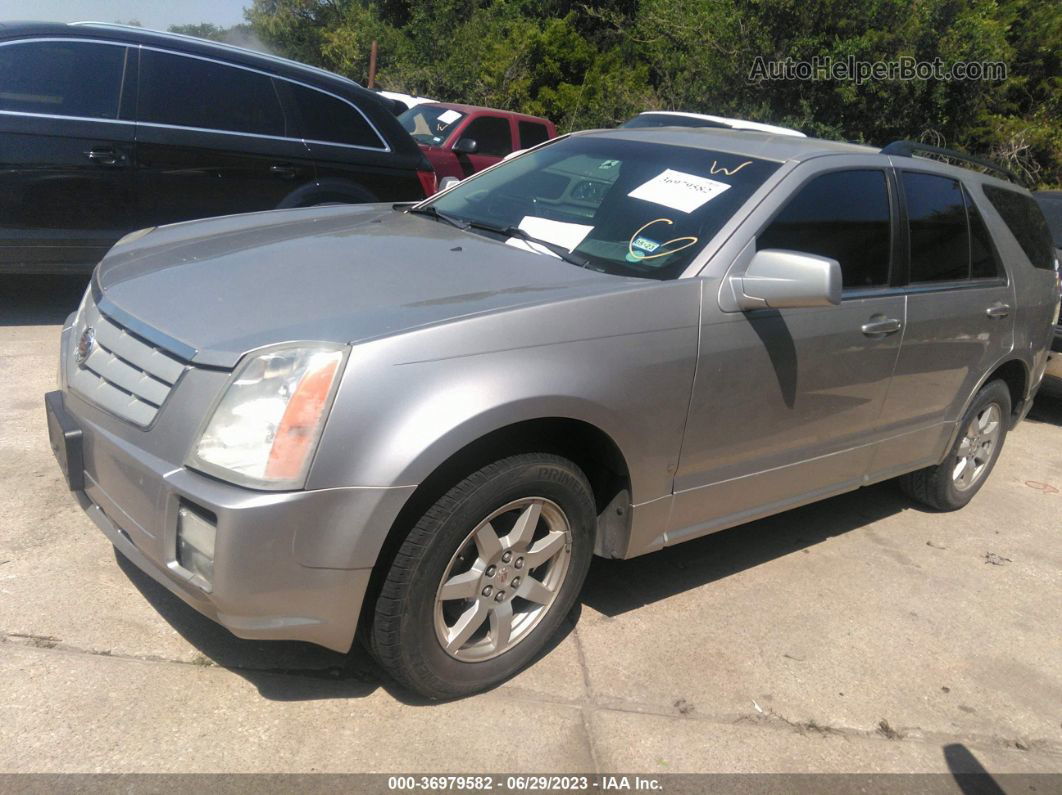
715 169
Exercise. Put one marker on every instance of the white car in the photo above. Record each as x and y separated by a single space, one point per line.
672 118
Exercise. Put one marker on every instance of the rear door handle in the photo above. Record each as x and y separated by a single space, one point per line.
283 170
998 310
105 156
881 326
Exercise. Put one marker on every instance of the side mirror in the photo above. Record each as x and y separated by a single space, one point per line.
780 279
447 182
466 146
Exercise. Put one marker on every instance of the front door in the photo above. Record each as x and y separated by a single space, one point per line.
786 403
66 156
494 140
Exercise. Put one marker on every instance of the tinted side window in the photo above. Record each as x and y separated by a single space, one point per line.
984 262
191 92
491 134
532 134
62 78
843 215
1026 222
936 216
326 118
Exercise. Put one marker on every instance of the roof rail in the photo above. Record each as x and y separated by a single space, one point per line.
912 148
210 42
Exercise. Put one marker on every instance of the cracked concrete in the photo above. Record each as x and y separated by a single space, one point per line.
856 635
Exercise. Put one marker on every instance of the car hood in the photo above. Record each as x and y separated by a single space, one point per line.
213 290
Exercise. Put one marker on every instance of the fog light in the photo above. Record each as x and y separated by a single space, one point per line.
195 542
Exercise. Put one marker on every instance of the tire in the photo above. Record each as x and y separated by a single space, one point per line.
535 505
946 487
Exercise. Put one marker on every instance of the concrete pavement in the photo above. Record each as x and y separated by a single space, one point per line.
860 634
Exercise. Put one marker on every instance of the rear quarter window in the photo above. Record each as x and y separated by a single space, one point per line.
332 120
1026 222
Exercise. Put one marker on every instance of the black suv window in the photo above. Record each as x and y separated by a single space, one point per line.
984 261
491 134
843 215
936 217
1026 222
532 134
62 78
192 92
331 120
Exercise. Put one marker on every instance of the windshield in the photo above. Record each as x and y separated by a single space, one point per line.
430 124
630 208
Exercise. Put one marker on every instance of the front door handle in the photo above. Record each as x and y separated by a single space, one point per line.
283 170
998 310
880 326
105 156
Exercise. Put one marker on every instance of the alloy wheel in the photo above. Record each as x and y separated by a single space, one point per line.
978 443
503 579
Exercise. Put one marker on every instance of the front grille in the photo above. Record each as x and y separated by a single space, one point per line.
123 373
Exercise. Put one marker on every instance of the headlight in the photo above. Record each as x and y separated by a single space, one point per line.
265 429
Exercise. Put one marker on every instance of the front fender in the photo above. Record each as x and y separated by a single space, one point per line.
409 402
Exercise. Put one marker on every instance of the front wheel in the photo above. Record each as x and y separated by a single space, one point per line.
982 431
485 578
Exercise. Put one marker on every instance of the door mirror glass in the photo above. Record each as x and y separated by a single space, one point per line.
466 146
779 279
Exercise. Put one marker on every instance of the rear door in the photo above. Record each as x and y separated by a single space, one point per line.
532 133
213 139
66 152
353 160
960 318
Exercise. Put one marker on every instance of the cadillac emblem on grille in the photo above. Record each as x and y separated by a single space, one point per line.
85 346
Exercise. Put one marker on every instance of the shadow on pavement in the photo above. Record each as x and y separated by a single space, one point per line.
970 775
1047 407
39 300
617 586
295 671
283 670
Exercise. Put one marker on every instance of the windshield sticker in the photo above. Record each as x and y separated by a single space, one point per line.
446 117
715 169
644 244
563 234
607 164
678 190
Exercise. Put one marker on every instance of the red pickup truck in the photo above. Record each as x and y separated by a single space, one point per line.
460 140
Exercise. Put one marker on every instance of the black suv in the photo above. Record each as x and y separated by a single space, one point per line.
106 129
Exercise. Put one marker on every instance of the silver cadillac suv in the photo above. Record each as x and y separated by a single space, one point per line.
418 423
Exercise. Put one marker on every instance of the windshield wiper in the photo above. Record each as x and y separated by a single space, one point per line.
553 248
431 212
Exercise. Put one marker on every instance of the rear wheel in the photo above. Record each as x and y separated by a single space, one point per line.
485 578
954 482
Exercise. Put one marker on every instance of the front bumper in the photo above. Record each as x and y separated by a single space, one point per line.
287 565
